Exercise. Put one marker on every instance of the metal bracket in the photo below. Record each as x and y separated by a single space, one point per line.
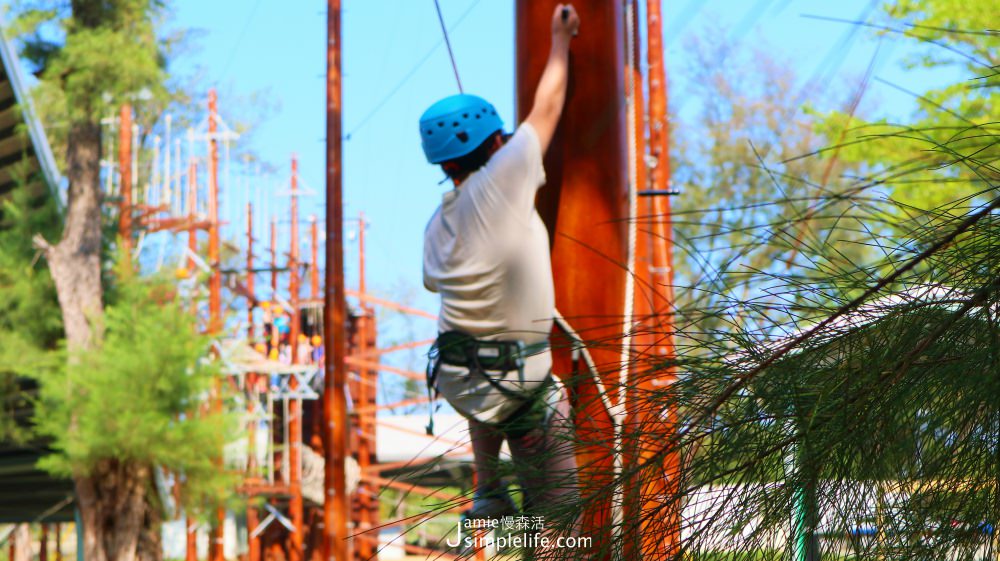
658 192
274 515
304 391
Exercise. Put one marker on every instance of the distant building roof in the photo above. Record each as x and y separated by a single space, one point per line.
25 154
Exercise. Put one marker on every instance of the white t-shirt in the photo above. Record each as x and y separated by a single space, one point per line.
486 251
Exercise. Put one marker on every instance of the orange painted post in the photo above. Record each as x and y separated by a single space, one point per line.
216 551
191 550
365 513
584 205
295 405
125 178
192 209
313 258
253 542
274 337
253 545
637 526
335 505
215 282
191 543
663 278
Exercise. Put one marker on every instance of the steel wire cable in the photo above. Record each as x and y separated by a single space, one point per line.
406 78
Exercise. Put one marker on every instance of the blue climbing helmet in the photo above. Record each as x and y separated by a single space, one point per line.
457 125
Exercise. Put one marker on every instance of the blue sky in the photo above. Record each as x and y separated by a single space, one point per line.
395 65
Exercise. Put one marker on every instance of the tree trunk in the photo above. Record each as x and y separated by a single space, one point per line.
117 518
75 262
151 540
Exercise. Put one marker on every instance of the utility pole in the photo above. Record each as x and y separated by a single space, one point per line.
216 549
125 179
335 503
295 404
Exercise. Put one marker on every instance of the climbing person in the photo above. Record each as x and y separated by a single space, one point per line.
486 252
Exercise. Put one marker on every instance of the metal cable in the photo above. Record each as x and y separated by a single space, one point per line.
447 42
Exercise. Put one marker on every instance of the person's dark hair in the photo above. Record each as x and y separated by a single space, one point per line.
461 167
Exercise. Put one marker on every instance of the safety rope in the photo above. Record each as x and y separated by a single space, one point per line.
628 308
581 347
447 42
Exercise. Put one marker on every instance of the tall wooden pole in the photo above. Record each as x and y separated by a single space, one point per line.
335 505
295 405
216 549
584 204
125 179
365 513
251 276
639 530
253 518
190 528
215 280
274 259
663 276
313 258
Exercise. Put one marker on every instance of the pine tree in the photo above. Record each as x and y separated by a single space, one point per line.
91 57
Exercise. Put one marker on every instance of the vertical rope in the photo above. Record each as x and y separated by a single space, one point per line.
628 307
447 43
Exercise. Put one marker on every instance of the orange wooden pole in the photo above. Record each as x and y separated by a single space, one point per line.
253 519
663 283
584 204
313 258
216 550
191 545
636 527
335 506
295 405
215 281
367 509
274 258
125 179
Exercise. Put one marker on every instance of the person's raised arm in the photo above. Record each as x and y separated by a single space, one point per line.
551 92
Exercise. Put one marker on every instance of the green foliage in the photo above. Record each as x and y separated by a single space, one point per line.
80 53
93 57
962 115
856 384
30 321
140 397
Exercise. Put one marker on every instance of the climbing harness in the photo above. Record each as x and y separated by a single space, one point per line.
486 360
